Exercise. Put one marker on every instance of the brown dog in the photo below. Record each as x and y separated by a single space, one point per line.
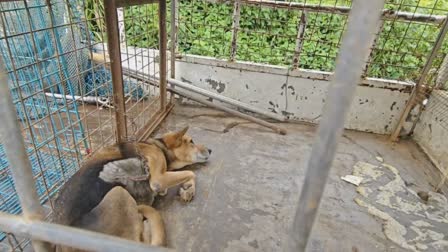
118 214
93 198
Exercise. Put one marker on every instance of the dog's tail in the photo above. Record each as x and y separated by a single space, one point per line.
156 222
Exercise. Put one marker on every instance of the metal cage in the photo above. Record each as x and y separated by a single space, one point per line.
69 96
79 80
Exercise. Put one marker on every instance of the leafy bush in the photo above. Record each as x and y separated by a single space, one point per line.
142 26
94 13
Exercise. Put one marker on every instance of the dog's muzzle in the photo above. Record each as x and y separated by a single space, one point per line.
204 155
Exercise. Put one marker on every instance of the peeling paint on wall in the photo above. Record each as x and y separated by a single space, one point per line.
216 85
300 96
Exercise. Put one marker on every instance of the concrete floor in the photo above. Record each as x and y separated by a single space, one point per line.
247 193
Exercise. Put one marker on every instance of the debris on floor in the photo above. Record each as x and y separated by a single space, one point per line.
352 179
415 221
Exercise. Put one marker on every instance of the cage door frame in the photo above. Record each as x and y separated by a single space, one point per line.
114 51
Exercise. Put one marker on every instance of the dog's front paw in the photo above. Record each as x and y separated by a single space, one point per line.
163 193
187 194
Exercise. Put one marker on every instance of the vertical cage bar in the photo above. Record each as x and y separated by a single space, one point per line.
121 28
362 22
412 100
15 150
113 47
235 28
162 53
372 49
301 26
173 36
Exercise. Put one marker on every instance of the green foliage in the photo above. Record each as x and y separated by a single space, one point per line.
94 13
205 28
269 35
142 26
266 36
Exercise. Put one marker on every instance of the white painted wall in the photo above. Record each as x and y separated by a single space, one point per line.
299 94
431 131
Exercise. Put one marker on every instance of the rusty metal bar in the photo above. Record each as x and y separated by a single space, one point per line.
356 43
301 26
12 140
227 100
274 127
162 53
144 78
419 85
128 3
69 236
235 28
113 46
176 83
342 10
173 37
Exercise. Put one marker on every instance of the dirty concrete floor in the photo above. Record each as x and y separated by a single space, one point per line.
247 193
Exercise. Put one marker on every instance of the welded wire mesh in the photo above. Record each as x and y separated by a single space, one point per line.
37 63
63 99
46 46
140 63
438 107
403 46
269 32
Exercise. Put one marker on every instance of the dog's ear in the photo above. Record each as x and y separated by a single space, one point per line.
174 139
181 133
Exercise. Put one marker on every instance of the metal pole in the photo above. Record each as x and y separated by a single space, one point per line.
70 236
113 46
162 53
172 89
235 28
301 26
387 14
226 100
362 24
278 130
12 139
173 37
176 83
